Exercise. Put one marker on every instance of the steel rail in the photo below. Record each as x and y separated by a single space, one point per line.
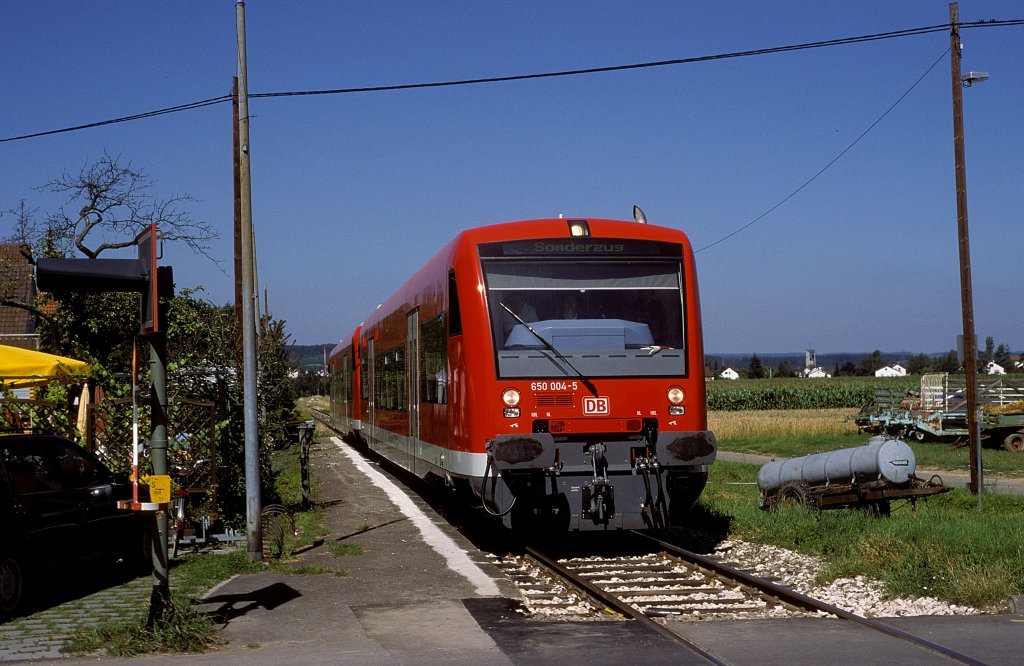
795 598
616 604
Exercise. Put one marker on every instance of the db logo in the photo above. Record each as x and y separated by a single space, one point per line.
596 406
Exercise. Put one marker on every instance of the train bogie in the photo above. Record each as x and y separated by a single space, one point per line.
555 367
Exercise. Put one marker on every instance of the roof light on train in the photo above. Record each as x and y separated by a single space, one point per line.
638 215
510 397
579 228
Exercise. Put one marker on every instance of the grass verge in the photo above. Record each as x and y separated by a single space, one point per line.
945 548
182 628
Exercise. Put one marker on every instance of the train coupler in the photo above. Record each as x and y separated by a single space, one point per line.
599 501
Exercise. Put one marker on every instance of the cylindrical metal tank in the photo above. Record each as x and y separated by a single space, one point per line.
887 459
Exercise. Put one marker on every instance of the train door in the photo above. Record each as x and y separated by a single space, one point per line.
371 403
412 373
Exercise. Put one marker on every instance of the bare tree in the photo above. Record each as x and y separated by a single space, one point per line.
112 204
24 227
16 258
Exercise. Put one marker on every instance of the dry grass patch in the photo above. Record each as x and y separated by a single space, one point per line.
781 423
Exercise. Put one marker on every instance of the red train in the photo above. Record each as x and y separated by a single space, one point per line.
551 369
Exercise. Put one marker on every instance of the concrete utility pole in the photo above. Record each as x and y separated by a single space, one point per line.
966 296
160 596
254 528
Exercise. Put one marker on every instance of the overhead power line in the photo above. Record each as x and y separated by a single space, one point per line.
832 161
124 119
618 68
910 32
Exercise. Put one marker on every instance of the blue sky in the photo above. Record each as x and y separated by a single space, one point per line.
352 193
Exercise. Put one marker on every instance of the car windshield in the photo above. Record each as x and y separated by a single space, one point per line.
608 317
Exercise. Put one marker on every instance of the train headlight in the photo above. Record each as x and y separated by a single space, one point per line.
510 397
676 396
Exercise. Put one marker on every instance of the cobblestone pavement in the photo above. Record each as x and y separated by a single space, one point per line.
42 634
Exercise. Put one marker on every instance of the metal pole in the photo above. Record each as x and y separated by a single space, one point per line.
254 529
160 598
966 297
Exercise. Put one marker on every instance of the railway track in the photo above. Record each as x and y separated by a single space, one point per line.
664 588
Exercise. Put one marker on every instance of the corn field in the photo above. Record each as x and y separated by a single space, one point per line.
793 393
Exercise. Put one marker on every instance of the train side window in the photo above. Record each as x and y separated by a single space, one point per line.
454 314
433 362
346 370
389 369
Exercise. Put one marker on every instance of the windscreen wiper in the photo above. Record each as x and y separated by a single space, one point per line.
586 382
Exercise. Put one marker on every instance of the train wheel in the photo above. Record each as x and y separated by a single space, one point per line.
1014 442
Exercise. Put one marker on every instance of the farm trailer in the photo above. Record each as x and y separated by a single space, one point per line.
938 411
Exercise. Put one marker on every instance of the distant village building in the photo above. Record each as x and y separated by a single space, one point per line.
729 373
896 370
993 368
815 373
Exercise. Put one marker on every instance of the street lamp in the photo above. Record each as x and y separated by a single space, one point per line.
966 297
970 78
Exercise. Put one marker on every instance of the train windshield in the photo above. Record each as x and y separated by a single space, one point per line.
601 316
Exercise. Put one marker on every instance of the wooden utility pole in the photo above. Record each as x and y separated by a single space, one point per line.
966 296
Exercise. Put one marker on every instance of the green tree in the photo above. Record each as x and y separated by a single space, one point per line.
948 363
205 363
311 382
755 370
988 355
919 364
871 362
1002 356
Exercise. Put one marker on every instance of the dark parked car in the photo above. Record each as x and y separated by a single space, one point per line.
58 508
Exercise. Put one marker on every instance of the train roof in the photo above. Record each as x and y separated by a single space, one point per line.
562 228
542 228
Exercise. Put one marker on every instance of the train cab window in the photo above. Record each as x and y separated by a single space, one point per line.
607 316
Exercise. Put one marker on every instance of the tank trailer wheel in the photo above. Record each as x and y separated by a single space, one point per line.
1014 442
794 494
